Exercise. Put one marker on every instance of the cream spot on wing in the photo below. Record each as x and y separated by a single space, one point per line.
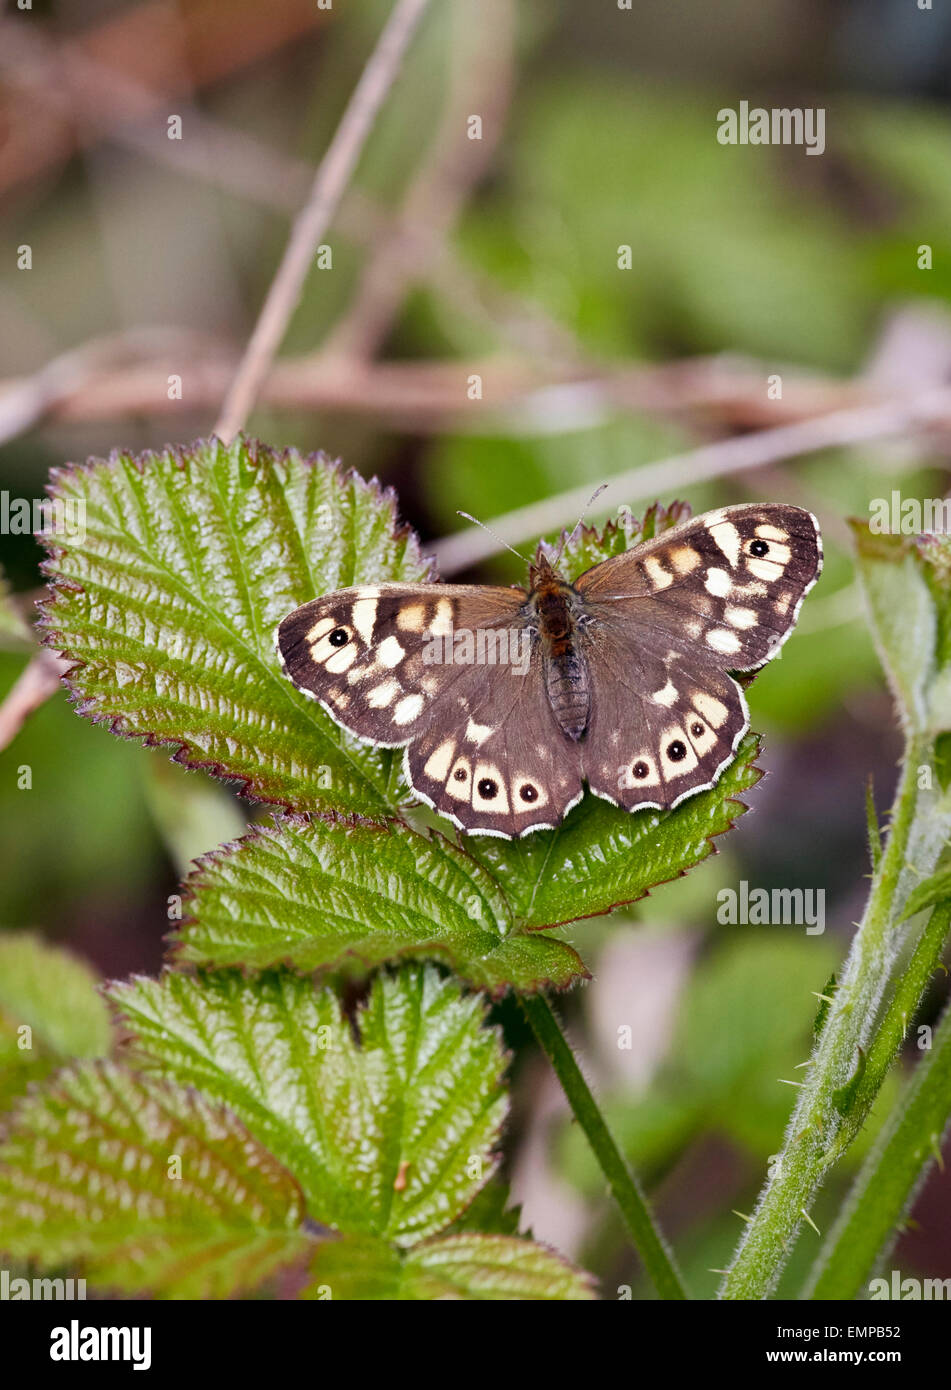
384 694
390 653
412 619
722 641
370 591
703 740
478 733
727 538
321 627
659 577
764 569
497 800
782 602
742 618
459 783
693 628
408 709
339 698
364 616
531 802
641 771
711 518
341 660
777 555
711 709
667 696
674 741
684 559
718 582
772 533
430 684
753 590
438 762
442 621
361 672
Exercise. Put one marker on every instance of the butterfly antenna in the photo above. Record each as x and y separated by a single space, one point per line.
566 540
476 522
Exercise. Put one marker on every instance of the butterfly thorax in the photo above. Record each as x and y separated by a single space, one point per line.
556 608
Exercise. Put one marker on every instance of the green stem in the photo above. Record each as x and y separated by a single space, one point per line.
816 1123
658 1259
886 1184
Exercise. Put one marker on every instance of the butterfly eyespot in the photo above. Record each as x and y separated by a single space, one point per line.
460 774
339 637
676 750
488 788
640 769
696 728
759 549
529 793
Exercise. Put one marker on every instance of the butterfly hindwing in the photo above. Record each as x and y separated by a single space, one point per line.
664 721
496 762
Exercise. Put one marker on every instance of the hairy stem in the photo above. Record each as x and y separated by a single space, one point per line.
653 1250
890 1175
817 1122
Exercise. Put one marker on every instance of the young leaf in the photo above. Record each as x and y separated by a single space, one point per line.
392 1136
902 617
932 890
170 604
148 1185
50 1012
312 892
601 856
589 546
461 1266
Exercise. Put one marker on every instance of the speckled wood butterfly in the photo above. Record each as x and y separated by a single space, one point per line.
507 701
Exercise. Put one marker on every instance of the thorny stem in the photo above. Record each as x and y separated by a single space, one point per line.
816 1123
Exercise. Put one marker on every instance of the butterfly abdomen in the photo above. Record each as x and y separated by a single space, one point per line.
566 672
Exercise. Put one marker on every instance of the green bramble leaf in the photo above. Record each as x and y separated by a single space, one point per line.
314 892
589 546
88 1174
907 599
460 1266
50 1012
297 1136
392 1136
170 603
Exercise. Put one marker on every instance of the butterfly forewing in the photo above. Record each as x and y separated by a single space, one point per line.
452 672
731 581
370 655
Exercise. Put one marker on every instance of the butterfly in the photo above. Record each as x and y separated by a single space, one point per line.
508 701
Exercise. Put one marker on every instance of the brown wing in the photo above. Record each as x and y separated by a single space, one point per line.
494 760
732 580
368 654
665 720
